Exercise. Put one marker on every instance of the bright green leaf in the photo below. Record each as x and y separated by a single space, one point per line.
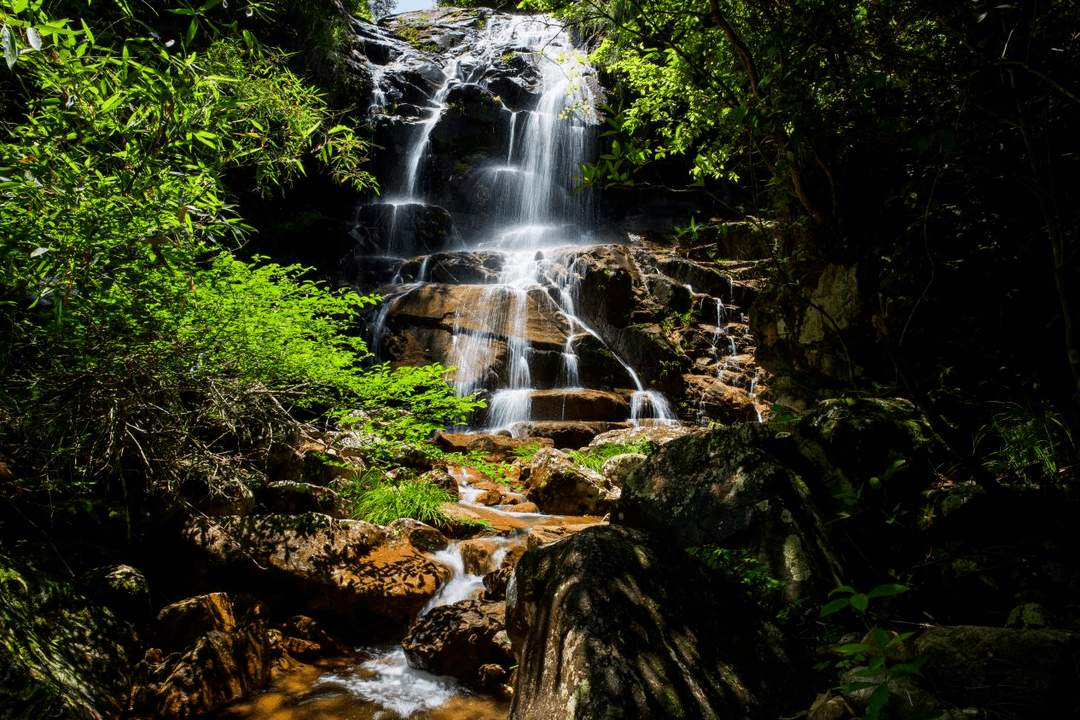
887 590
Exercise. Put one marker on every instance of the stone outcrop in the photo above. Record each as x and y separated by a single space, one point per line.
61 654
459 639
607 624
568 434
1004 671
497 448
203 659
347 571
815 338
731 488
560 487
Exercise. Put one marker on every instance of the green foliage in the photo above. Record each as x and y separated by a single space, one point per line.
858 601
138 351
865 664
742 567
403 407
1020 437
526 452
387 501
594 458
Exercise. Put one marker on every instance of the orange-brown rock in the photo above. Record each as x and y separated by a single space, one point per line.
560 487
343 570
459 639
497 447
210 659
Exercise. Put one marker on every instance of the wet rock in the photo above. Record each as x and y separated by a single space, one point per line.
522 507
559 487
728 399
418 229
460 268
420 535
458 639
478 556
726 488
469 124
496 447
215 659
575 405
180 624
495 582
565 433
607 624
344 571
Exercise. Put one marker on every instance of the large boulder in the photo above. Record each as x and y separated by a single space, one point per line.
459 639
205 659
559 487
609 624
344 571
1007 672
61 655
815 338
731 488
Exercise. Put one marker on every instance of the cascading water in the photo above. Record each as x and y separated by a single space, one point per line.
523 204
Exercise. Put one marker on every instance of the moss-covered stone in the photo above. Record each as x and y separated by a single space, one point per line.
61 655
608 624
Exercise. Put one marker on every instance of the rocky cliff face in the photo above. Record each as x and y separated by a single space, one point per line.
545 296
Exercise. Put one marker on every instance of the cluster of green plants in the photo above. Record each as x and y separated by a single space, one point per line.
594 458
866 664
676 319
741 566
381 501
138 343
1025 437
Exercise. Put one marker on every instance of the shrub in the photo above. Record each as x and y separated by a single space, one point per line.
594 458
387 501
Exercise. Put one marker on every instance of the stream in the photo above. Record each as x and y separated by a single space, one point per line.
376 682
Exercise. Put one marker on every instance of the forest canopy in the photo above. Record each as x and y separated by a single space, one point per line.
928 142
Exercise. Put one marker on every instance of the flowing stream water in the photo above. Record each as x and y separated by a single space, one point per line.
377 683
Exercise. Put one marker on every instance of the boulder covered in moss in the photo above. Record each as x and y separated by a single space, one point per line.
608 623
61 654
732 488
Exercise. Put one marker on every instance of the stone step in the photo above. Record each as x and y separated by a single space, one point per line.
565 433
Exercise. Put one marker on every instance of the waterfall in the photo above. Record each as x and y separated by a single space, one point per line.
518 331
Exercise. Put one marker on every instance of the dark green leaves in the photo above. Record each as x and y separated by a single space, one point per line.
859 601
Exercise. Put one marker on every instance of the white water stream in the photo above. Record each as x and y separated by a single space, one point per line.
533 210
